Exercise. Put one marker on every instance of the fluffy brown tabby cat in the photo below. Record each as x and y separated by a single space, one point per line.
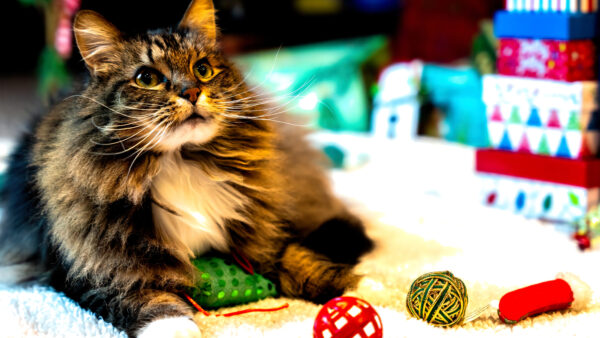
167 154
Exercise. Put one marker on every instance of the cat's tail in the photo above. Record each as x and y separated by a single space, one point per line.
19 256
21 222
17 263
18 273
20 253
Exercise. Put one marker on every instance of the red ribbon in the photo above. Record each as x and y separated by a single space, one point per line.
235 313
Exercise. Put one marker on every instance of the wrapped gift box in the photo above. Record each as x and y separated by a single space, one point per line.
327 85
548 59
546 187
456 91
578 96
543 131
538 199
575 172
547 25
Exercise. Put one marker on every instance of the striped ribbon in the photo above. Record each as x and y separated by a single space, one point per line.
562 6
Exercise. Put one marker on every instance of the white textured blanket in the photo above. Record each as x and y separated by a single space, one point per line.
420 206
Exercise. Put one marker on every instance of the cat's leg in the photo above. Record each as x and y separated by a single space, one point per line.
140 313
161 314
312 276
149 314
320 267
175 327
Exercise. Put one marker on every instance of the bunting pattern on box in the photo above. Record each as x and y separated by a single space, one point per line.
545 131
499 89
548 59
537 199
542 111
561 6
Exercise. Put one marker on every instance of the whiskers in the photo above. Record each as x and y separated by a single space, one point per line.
271 106
235 103
152 128
140 127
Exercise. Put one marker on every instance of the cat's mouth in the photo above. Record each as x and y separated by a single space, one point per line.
196 118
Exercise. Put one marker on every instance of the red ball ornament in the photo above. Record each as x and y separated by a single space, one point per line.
583 241
347 317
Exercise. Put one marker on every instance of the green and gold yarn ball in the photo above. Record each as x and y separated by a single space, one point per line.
438 298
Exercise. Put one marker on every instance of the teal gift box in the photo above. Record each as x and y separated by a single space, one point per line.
328 84
457 91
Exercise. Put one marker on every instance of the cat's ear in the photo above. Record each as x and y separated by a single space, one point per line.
97 40
200 16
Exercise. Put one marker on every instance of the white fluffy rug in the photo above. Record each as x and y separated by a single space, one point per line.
420 203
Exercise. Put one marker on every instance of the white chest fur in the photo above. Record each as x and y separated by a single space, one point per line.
201 206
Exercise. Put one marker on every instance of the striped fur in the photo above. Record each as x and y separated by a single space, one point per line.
117 187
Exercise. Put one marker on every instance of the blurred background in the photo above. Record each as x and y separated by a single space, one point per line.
377 80
352 42
433 113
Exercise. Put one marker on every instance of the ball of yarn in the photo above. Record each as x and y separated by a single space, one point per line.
438 298
344 317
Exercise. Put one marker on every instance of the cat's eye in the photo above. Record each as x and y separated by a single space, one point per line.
203 70
149 78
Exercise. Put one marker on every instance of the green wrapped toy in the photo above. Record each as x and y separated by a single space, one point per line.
224 283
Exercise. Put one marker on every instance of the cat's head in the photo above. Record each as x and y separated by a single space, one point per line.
164 89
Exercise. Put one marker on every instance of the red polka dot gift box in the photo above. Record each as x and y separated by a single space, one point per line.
548 59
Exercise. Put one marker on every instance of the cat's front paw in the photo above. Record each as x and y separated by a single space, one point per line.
172 327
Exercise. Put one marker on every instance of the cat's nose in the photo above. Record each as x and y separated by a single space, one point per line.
191 94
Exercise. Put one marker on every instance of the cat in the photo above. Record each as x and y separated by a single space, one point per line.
167 154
